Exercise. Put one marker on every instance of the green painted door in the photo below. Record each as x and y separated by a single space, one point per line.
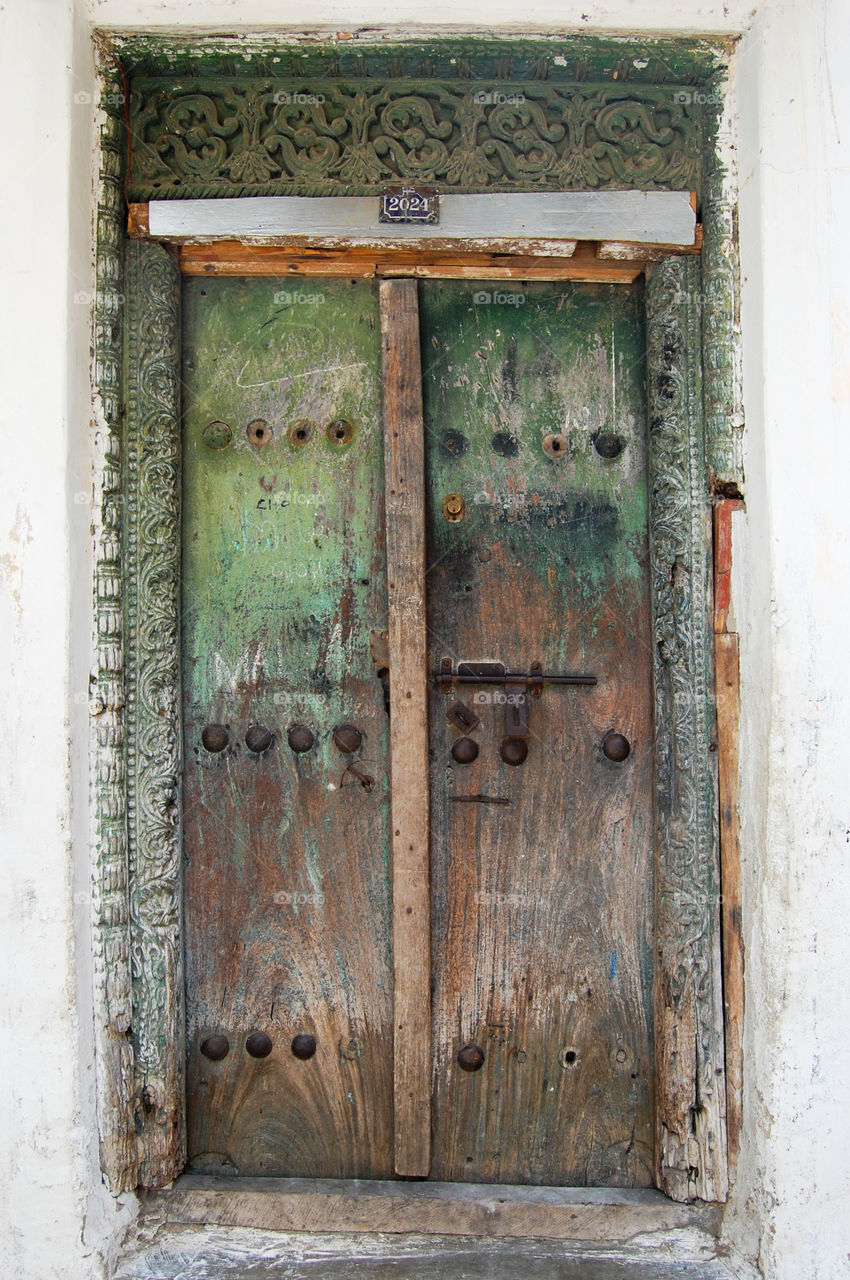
540 870
288 960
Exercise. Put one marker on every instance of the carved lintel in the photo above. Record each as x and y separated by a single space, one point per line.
252 137
152 564
691 1144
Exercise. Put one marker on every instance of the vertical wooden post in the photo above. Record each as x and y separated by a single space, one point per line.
726 677
404 454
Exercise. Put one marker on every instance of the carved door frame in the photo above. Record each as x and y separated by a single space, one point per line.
692 442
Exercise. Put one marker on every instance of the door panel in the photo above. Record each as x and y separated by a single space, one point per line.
541 904
286 885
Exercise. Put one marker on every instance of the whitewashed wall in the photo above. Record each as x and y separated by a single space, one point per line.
791 1206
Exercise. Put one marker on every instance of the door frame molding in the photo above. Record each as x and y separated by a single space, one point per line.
693 441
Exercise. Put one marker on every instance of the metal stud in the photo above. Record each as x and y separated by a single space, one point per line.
215 737
513 750
258 739
217 435
303 1045
301 432
465 750
609 445
300 738
555 446
259 1045
470 1057
616 747
215 1047
347 738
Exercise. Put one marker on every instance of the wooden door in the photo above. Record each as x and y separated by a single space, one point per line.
288 960
534 495
541 870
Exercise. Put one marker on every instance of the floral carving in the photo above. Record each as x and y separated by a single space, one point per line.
311 138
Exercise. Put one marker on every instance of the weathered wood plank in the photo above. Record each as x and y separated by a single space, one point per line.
727 692
405 522
453 1209
562 217
230 257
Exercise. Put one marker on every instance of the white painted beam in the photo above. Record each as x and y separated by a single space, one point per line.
557 218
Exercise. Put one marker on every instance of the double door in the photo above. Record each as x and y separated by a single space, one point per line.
536 688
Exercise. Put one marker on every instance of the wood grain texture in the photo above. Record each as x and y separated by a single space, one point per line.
541 908
727 692
612 1216
405 535
287 888
517 260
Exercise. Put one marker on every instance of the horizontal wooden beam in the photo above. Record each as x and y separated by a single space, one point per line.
233 258
555 220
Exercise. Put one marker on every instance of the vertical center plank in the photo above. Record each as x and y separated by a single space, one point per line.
405 515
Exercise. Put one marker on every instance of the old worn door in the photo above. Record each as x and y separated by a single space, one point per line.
540 791
540 836
289 992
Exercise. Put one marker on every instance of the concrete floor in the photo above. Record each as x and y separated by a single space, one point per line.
237 1254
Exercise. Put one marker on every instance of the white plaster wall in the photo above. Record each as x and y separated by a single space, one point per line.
791 1205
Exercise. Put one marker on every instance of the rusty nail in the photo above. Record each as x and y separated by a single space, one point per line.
215 737
215 1047
259 1045
470 1057
347 738
303 1045
300 738
616 747
258 739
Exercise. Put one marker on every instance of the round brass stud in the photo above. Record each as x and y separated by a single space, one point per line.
513 750
347 738
300 738
215 1048
303 1045
616 747
465 750
215 737
259 1045
217 435
470 1057
258 739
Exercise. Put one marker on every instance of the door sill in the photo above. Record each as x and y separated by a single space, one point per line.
598 1215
